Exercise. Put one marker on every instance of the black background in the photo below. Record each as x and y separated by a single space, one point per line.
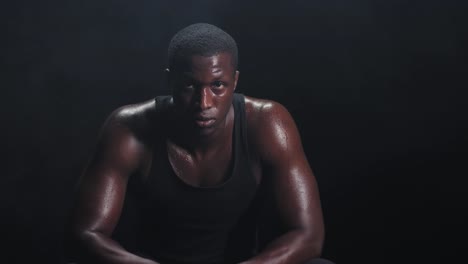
376 89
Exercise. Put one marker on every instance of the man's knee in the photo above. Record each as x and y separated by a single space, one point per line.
319 261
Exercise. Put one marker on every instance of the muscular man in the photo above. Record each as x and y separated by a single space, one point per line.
194 162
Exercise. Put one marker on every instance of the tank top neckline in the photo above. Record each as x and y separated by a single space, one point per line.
232 166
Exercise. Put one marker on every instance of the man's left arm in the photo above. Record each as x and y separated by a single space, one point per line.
294 187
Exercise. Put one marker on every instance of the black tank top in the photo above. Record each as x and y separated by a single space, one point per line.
181 223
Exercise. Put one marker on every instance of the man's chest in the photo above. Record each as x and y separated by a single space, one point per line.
208 171
213 169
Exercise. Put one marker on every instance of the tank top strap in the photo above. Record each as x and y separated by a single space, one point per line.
241 124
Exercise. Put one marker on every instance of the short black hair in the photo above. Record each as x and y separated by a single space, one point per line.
200 39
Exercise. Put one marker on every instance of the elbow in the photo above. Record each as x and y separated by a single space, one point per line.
316 248
82 245
76 244
313 249
83 237
314 243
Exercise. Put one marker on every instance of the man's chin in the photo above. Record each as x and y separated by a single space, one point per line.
205 131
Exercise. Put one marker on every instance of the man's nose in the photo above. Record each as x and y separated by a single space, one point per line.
206 99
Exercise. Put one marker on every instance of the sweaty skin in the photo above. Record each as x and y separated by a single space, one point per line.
202 119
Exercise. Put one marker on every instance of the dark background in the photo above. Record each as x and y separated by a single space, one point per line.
376 89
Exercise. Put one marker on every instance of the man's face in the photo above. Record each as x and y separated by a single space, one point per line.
203 91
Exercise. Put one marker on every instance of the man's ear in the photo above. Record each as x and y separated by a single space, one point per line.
236 77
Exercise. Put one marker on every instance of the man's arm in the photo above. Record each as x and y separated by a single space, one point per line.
101 194
294 187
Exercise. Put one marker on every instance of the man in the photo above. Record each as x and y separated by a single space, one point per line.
194 162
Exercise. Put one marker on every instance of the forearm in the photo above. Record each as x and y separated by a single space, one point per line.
293 247
99 248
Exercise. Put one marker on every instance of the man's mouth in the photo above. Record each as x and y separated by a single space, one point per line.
204 122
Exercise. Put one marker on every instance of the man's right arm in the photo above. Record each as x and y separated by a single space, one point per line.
102 192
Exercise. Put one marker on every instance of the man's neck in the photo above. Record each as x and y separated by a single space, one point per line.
199 145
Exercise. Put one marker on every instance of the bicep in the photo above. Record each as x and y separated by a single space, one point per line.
103 184
100 198
294 185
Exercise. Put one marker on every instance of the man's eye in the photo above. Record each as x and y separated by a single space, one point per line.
218 84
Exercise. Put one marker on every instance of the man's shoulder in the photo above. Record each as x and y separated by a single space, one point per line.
134 112
137 119
259 111
271 128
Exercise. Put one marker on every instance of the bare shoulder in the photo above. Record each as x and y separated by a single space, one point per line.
133 114
135 119
271 128
124 143
127 128
261 112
